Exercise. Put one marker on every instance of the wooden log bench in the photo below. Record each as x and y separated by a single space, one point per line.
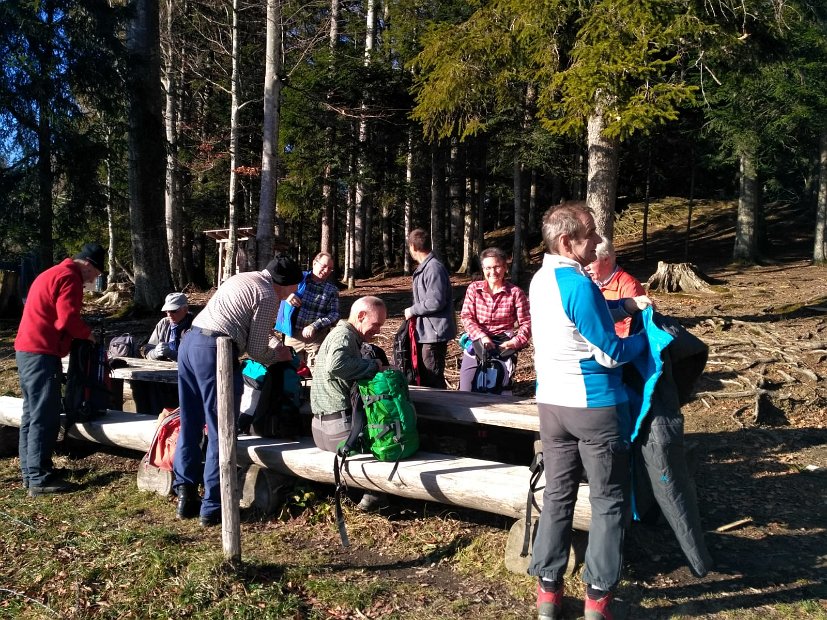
488 486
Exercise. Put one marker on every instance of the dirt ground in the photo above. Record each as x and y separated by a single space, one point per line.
758 423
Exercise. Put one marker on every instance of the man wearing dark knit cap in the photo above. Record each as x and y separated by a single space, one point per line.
51 320
243 308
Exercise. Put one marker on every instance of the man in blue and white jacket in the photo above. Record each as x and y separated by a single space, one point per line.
583 410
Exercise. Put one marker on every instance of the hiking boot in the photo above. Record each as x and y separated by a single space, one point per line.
373 502
598 609
48 488
210 520
549 604
189 503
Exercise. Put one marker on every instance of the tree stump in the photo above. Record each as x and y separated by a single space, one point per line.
679 277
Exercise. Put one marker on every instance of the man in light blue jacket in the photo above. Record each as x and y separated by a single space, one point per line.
433 307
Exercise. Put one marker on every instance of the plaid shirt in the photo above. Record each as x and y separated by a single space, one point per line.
244 308
320 305
484 314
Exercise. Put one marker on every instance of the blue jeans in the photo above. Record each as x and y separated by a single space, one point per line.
594 439
197 394
40 378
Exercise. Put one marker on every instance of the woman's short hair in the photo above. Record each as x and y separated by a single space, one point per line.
420 240
493 252
563 219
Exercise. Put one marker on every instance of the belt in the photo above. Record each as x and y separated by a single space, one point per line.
336 415
210 333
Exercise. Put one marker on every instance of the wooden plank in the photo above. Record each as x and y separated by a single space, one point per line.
488 486
473 408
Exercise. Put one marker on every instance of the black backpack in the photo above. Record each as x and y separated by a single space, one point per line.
271 400
88 390
404 351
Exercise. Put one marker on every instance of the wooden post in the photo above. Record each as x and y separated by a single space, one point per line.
230 519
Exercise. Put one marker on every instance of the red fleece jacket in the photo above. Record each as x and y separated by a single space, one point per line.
51 317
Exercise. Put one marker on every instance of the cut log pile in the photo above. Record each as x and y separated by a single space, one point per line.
770 371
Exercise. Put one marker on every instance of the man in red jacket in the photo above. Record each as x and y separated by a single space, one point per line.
51 320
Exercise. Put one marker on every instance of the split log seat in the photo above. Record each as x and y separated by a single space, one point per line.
483 485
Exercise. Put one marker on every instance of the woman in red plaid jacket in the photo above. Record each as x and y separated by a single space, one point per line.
495 313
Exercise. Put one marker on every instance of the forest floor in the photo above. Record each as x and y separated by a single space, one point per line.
758 425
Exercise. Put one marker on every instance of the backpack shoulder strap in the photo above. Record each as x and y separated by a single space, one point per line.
537 468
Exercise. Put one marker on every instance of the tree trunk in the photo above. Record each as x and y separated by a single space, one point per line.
601 186
45 174
361 226
517 249
172 207
350 239
326 244
646 200
468 236
409 190
746 229
482 189
147 156
532 203
270 139
690 205
110 208
456 191
820 249
437 197
232 219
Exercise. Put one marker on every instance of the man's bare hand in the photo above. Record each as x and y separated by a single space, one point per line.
308 331
636 304
294 300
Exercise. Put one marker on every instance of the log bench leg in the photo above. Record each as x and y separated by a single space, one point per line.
514 547
9 441
151 478
263 489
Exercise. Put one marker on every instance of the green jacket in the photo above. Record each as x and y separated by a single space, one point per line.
339 364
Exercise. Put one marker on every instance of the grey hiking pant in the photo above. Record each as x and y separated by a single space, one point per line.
594 439
40 377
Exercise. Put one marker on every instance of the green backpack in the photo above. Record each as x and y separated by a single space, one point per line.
384 419
383 424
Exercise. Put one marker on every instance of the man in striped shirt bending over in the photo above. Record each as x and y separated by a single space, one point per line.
243 308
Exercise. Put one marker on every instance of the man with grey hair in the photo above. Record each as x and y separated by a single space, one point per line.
614 281
583 411
165 340
339 365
